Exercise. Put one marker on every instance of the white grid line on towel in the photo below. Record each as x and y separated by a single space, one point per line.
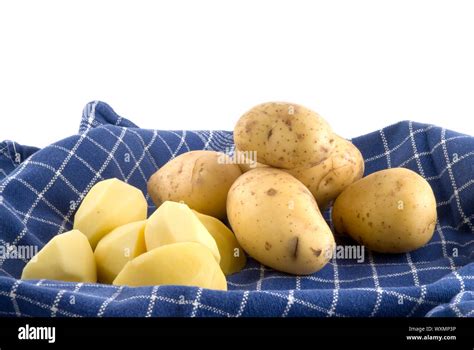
453 181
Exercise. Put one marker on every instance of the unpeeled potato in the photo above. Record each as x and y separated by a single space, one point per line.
201 179
284 135
277 221
327 179
389 211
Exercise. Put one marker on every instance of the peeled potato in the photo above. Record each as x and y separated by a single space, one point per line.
233 258
117 248
109 204
174 222
66 257
185 264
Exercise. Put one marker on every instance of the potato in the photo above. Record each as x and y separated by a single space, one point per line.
232 255
389 211
117 248
109 204
185 264
201 179
327 179
174 222
284 135
66 257
277 221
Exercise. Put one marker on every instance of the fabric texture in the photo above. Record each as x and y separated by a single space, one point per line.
40 191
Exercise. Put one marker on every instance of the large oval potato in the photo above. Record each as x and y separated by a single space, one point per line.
327 179
201 179
389 211
284 135
277 221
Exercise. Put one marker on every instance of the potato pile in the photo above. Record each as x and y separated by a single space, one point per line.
294 166
391 211
113 242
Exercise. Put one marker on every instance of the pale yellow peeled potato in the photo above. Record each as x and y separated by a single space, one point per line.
233 258
174 222
184 264
66 257
109 204
117 248
277 221
389 211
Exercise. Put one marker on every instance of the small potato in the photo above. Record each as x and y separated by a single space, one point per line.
232 255
67 257
109 204
183 264
117 248
389 211
284 135
277 221
201 179
327 179
174 222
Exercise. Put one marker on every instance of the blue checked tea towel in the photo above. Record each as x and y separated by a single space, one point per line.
40 191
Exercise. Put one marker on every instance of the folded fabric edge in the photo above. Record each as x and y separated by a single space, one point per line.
97 113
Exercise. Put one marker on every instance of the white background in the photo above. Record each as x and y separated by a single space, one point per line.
201 64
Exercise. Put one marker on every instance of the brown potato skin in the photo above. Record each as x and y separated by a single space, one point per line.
327 179
389 211
198 178
284 135
277 221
